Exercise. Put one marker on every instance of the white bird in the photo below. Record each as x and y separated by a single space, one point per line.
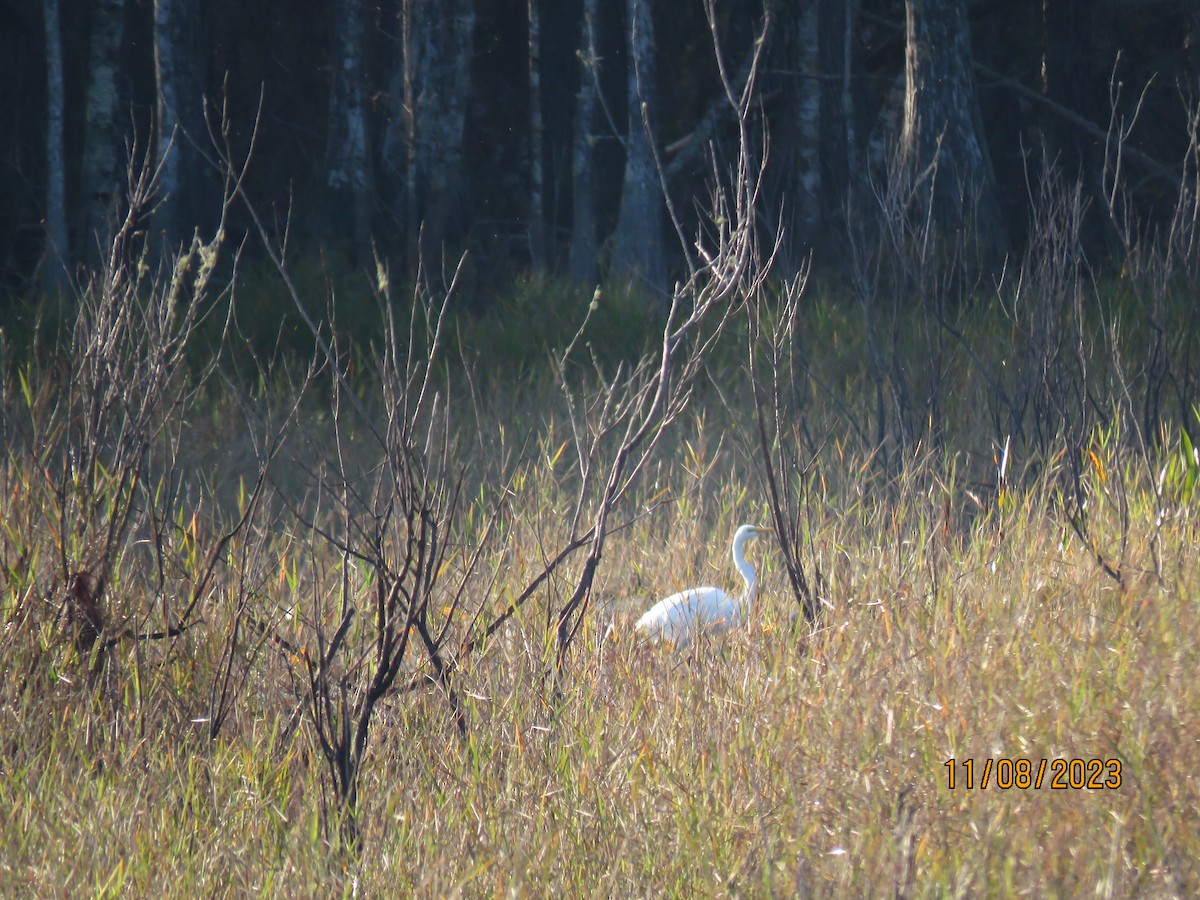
678 617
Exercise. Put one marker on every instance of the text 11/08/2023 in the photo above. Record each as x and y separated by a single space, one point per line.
1022 774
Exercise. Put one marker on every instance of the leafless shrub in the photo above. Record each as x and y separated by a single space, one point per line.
1062 384
1098 361
617 427
904 267
384 501
1161 267
390 607
105 423
1046 395
787 450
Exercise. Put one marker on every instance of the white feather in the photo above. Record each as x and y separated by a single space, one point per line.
677 618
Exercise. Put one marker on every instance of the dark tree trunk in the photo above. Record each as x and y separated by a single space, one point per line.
56 263
885 132
537 222
582 263
102 142
808 122
398 163
182 130
941 144
423 145
839 142
792 182
348 172
639 255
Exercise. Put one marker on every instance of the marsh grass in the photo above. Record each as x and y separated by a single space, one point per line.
207 584
964 619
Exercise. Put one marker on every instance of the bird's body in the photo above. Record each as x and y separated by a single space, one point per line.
678 617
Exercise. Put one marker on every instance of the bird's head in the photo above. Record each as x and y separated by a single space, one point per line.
745 532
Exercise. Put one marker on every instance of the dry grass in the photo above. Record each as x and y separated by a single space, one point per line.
777 760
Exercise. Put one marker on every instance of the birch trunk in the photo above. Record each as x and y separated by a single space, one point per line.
58 253
181 125
582 263
397 160
166 70
423 143
638 255
808 124
102 136
537 222
839 135
940 144
348 175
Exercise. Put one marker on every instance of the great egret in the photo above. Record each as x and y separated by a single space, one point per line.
677 617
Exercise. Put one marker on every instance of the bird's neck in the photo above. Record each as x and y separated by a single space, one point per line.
751 579
746 570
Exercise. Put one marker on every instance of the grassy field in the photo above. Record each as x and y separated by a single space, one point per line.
991 610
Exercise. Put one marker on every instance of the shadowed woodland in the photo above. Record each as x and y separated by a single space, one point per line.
515 131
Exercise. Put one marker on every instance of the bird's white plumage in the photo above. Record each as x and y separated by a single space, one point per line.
678 617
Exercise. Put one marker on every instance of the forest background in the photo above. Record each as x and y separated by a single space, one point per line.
502 126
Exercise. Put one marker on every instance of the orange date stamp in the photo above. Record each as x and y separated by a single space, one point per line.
1023 774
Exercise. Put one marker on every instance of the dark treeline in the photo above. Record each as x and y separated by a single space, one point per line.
515 128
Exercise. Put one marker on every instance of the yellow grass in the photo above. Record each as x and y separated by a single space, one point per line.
776 760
